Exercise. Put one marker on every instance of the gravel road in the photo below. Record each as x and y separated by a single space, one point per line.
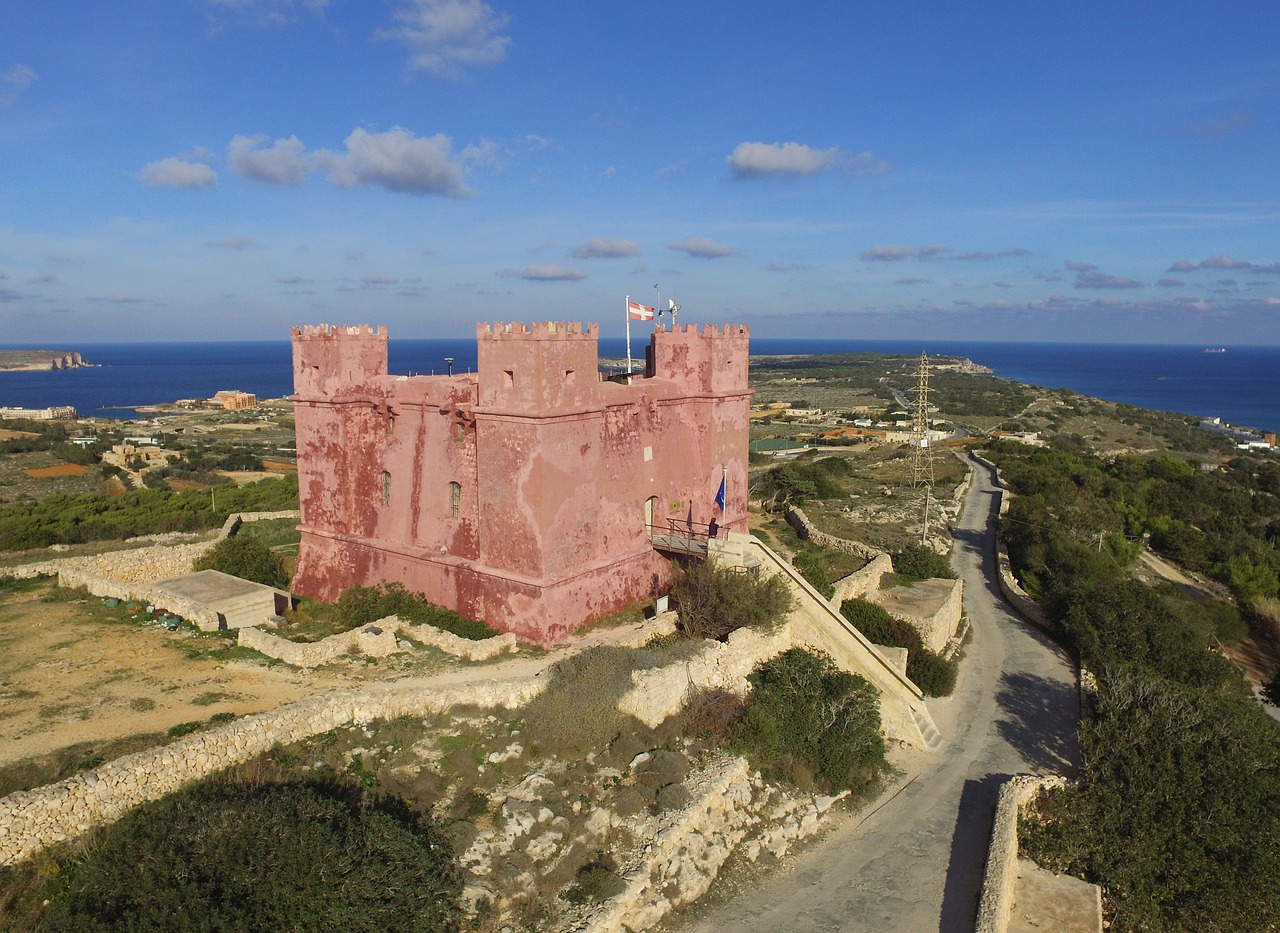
916 864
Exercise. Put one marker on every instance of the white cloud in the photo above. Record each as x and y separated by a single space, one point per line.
702 247
544 273
16 80
596 248
446 37
284 162
177 173
763 160
371 281
398 161
864 164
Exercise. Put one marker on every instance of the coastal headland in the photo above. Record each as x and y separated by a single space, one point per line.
39 360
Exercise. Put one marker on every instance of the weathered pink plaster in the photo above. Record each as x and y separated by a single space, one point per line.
517 494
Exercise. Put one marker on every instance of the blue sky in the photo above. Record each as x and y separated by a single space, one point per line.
224 169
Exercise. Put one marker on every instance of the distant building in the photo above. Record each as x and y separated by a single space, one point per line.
234 399
124 455
524 494
61 413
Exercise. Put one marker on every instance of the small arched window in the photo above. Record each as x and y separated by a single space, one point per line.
386 488
455 499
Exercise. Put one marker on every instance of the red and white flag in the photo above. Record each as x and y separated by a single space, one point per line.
639 312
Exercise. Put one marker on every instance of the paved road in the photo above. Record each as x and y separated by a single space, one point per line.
916 864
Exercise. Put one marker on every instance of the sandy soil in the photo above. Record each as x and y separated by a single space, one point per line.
66 679
62 469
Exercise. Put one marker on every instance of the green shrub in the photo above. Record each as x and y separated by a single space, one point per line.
246 557
808 721
814 569
596 881
362 605
303 856
928 670
922 563
713 602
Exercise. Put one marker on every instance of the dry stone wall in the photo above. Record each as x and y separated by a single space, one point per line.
999 881
374 644
33 820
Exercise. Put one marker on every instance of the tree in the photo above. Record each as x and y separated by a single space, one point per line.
246 557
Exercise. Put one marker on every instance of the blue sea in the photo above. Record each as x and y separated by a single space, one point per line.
1241 386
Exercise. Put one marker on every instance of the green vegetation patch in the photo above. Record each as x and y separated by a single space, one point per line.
713 602
928 670
73 519
812 724
319 855
246 557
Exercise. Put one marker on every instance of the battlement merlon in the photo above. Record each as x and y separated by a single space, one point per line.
543 330
708 359
327 357
340 330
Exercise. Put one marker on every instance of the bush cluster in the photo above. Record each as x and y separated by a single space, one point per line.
246 557
362 605
319 855
74 519
922 563
713 602
811 723
928 670
1179 811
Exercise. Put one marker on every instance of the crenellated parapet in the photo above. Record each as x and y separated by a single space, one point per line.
340 330
543 330
326 356
708 359
537 368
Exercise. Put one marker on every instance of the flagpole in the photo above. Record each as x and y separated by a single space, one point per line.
628 309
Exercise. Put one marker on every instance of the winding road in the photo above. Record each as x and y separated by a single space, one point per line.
916 863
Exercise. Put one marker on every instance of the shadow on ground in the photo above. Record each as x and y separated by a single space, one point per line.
1039 721
969 853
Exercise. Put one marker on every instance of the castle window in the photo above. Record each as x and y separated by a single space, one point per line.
459 431
455 499
511 378
386 488
569 378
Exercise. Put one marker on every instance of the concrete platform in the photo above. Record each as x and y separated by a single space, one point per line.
1043 901
236 603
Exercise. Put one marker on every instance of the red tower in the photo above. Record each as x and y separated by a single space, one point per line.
521 494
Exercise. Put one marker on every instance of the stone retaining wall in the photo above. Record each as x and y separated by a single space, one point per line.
999 881
863 583
32 820
800 522
734 812
937 628
660 692
363 641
